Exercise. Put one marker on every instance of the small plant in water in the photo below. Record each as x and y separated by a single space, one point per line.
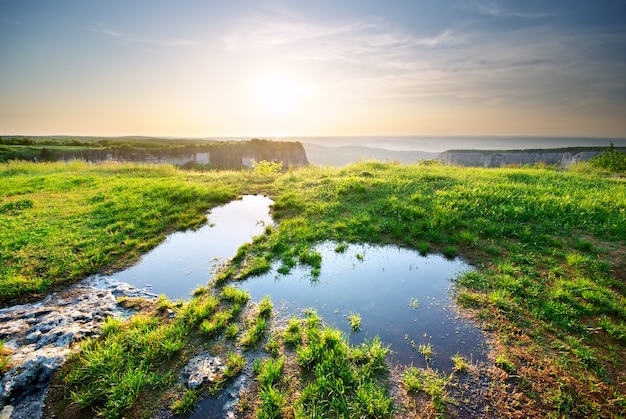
355 321
460 364
426 349
341 248
414 303
185 404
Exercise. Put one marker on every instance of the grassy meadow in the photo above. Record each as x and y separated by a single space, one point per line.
550 286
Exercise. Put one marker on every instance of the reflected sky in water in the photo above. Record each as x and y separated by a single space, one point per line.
186 259
401 296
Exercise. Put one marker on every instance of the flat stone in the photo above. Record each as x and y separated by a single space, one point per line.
201 369
40 336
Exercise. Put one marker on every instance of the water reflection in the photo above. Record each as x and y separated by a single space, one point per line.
185 260
401 296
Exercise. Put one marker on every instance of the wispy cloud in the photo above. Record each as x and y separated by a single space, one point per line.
493 8
132 39
372 58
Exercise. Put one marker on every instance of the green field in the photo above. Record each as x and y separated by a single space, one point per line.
549 246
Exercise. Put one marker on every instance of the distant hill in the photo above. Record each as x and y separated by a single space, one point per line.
342 156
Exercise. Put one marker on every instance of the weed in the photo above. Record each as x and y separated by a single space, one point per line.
414 303
505 364
234 294
254 333
450 252
273 346
460 364
272 403
423 248
341 248
265 307
293 333
5 359
214 326
426 349
163 303
231 330
268 371
234 364
430 382
355 321
186 403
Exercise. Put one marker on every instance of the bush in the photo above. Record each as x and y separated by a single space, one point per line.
265 167
610 159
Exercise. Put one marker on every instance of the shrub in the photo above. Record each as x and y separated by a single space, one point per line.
610 159
265 167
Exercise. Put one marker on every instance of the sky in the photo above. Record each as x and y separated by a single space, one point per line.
313 68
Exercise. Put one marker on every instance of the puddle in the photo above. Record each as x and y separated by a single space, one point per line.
186 259
402 297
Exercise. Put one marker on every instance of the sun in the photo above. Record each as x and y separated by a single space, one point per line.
278 93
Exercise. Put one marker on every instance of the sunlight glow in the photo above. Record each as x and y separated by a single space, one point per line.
278 93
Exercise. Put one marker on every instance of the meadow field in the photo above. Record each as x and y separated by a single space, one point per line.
549 289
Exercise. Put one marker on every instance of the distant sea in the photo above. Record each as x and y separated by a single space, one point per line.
436 144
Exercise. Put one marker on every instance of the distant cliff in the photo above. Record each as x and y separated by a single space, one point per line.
561 157
223 155
235 154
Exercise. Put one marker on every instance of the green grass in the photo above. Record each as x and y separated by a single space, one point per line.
548 246
109 374
430 382
345 381
186 403
265 307
62 222
293 333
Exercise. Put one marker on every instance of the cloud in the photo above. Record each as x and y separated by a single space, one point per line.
131 39
493 8
372 58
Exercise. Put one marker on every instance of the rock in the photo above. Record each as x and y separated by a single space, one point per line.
201 369
42 336
6 412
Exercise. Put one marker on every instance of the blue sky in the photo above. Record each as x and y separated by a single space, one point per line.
265 68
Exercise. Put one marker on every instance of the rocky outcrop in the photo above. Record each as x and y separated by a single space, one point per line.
488 158
201 369
41 335
223 155
237 154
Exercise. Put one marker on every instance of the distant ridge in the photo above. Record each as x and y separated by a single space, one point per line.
343 155
562 157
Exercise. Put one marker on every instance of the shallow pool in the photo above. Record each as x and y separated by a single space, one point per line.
186 259
402 297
